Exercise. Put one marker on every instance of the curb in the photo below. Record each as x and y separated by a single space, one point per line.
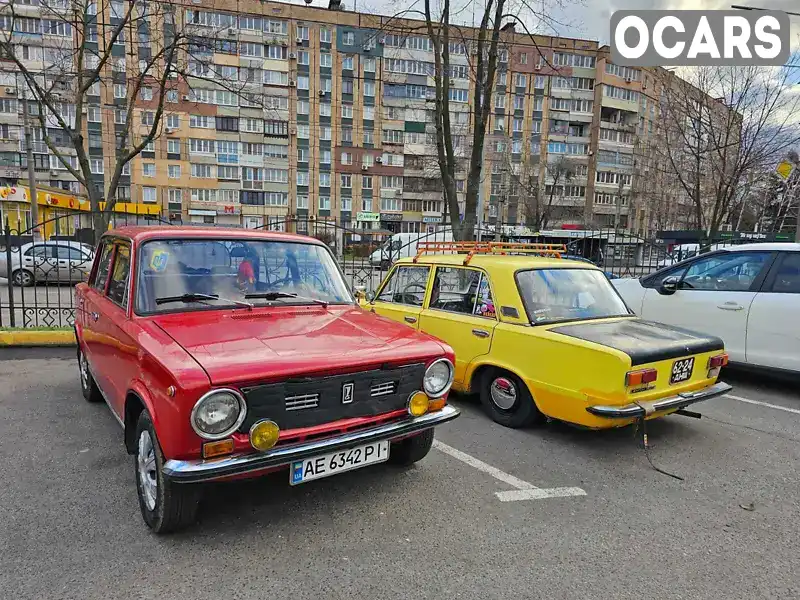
23 338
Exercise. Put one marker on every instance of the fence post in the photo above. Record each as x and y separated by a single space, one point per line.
7 232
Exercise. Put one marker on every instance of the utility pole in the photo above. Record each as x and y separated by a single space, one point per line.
34 196
618 204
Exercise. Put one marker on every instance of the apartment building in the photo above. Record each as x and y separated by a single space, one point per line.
331 119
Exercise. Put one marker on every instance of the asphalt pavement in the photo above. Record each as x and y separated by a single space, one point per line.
448 527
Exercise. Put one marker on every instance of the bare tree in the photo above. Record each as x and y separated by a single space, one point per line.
145 50
720 125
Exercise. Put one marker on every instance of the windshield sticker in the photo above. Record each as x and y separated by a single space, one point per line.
159 261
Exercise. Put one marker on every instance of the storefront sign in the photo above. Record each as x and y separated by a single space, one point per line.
391 217
228 209
202 213
431 219
368 216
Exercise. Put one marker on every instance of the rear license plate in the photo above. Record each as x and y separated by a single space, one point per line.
682 370
326 465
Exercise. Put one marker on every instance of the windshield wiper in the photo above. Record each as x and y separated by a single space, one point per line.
278 295
200 298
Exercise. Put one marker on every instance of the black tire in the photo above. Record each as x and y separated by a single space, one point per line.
91 392
412 449
174 505
22 278
521 412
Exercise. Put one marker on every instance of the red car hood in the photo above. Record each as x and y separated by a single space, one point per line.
240 346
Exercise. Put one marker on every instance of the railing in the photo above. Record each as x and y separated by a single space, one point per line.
37 280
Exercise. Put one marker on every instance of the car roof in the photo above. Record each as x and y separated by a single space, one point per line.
154 232
768 246
513 262
72 243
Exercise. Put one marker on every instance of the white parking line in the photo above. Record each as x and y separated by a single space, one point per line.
524 491
767 404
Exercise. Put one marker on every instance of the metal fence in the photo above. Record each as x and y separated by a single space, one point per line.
37 277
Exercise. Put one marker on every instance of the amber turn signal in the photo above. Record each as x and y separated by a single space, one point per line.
217 448
436 404
418 404
264 435
634 378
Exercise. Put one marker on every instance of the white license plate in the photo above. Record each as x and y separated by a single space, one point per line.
326 465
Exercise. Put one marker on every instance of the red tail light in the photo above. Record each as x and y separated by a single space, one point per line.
634 378
720 360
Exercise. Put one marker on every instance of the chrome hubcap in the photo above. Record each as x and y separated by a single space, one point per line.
84 368
146 468
503 392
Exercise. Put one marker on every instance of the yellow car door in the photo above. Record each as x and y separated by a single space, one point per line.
461 312
402 294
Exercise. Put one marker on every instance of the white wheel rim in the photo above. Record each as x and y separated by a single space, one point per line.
503 393
146 468
84 369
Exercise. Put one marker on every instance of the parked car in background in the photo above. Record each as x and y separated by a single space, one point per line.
228 353
538 336
402 245
47 262
748 295
586 260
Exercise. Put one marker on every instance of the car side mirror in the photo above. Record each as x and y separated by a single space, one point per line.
669 285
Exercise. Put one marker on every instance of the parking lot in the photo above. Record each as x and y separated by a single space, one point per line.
590 518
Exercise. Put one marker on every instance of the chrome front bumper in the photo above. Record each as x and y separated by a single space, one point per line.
642 409
194 471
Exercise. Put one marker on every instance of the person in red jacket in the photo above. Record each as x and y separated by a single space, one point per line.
246 277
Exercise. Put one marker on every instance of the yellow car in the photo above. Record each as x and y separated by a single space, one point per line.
538 336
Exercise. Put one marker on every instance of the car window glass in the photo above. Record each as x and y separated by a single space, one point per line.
103 266
118 284
406 285
729 272
459 290
787 279
40 251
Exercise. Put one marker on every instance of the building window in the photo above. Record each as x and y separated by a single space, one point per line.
369 88
227 173
324 202
325 59
202 171
325 84
302 201
146 93
148 169
324 180
369 136
174 171
174 196
173 121
325 133
302 178
347 86
347 158
348 38
302 82
325 157
148 117
520 80
347 111
324 35
96 166
149 195
120 90
369 64
346 180
302 107
302 32
347 63
303 131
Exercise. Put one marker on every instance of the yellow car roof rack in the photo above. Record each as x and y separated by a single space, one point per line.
502 248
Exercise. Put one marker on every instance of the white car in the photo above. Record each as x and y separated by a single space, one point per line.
60 261
748 295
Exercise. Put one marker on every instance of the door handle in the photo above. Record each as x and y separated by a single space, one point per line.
730 306
95 316
409 319
481 333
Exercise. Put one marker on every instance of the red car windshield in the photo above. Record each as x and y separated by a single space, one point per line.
201 274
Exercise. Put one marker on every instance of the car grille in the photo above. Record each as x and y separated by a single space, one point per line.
302 401
383 389
310 401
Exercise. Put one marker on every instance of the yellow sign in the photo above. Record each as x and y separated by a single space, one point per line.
785 169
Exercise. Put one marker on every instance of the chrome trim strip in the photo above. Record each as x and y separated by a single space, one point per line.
193 471
301 401
679 401
382 389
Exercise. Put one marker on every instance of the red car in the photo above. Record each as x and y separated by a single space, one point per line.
229 353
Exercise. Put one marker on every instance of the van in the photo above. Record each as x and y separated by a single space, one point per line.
401 245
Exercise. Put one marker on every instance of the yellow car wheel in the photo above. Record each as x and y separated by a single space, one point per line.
506 399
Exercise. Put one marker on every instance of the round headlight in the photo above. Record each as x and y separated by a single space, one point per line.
438 378
218 414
